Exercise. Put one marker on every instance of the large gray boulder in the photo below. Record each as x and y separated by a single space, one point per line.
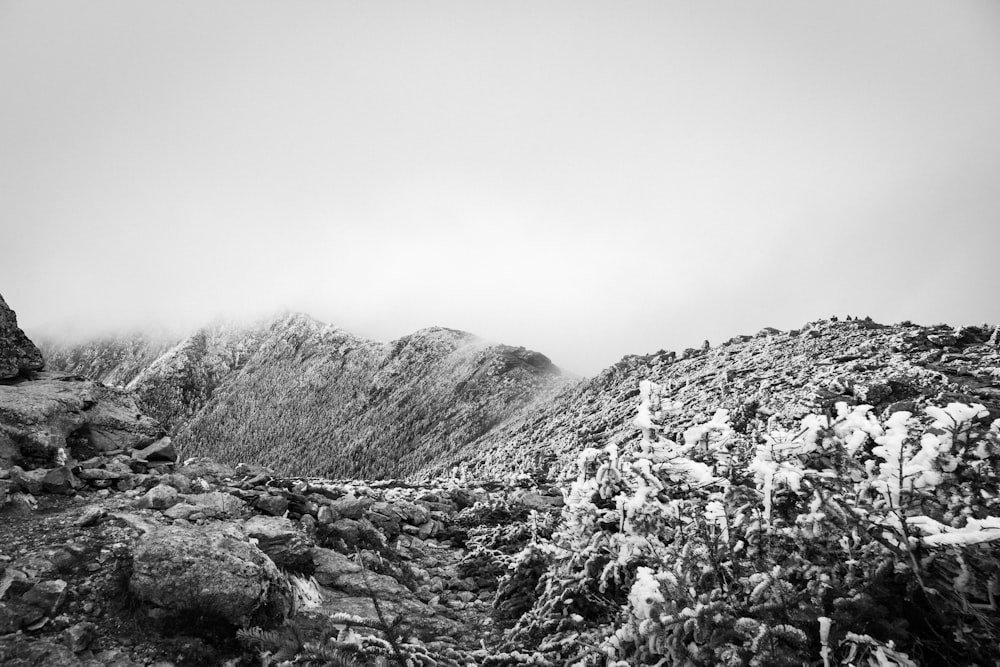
209 571
55 410
17 353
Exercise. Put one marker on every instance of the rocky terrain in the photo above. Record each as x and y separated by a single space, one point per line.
829 495
113 553
772 377
307 398
133 559
440 398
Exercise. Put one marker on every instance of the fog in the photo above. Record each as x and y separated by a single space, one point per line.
587 179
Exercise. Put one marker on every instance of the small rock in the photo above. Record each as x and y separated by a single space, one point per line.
217 503
161 450
99 475
272 504
160 497
206 468
331 564
462 498
179 482
278 537
79 637
46 595
326 515
90 516
180 512
382 586
537 501
351 507
67 557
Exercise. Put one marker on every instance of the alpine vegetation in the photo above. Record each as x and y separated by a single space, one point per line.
845 540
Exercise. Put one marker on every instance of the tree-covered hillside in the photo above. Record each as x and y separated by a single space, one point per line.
308 398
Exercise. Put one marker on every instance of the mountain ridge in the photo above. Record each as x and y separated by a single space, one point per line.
302 396
341 405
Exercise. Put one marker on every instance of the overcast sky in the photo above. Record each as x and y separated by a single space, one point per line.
588 179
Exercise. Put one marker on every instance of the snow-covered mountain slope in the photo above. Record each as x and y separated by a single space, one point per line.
114 360
308 398
774 375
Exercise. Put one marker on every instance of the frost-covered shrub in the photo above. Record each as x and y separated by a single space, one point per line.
847 540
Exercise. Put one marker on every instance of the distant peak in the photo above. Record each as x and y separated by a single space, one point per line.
441 332
297 319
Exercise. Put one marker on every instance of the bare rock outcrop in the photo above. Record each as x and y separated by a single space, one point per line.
54 411
17 353
47 413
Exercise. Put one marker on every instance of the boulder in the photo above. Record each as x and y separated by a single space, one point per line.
60 480
287 546
208 571
15 615
17 353
34 651
29 481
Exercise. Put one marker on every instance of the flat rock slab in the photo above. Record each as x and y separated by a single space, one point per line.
218 504
417 617
37 417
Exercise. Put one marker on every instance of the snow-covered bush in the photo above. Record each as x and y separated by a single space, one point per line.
846 540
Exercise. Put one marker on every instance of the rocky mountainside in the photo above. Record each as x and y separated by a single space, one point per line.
771 378
113 553
439 397
307 398
823 496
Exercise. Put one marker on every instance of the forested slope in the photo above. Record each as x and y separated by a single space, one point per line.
308 398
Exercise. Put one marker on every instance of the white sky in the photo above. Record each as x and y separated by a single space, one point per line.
588 179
